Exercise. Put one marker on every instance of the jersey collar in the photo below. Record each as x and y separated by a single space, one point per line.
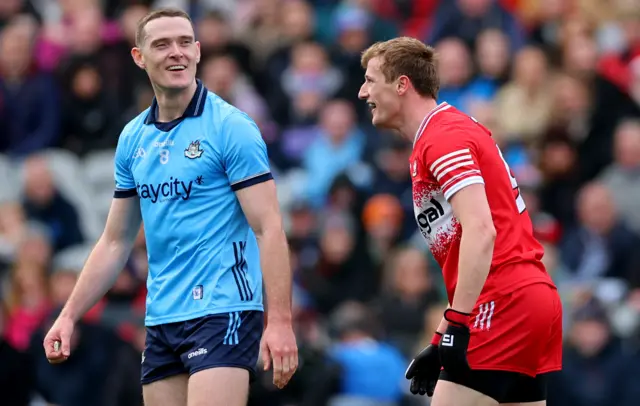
194 109
440 107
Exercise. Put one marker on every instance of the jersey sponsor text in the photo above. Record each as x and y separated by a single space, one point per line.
161 192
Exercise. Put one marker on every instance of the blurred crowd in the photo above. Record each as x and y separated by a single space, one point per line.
557 82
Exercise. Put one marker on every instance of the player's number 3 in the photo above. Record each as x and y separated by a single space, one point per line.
514 184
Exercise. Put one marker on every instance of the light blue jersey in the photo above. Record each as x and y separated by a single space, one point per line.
203 256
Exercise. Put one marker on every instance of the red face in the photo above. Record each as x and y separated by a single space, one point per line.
382 97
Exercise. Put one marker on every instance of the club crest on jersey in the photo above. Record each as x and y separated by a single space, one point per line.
193 151
414 168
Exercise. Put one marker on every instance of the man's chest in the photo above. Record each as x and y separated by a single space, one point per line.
169 167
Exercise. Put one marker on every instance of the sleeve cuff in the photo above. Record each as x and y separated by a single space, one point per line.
254 180
124 193
461 185
456 317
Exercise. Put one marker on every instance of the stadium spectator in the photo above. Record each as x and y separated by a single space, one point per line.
558 163
493 56
409 292
82 380
29 97
465 19
353 26
16 372
81 30
594 363
132 83
571 106
391 177
90 118
337 136
357 349
523 105
382 220
458 84
601 245
44 203
11 229
11 8
27 291
340 273
308 81
222 75
216 38
303 233
122 384
623 175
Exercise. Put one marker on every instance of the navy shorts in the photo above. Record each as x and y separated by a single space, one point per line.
217 340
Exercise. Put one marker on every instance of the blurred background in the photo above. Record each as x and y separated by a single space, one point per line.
557 81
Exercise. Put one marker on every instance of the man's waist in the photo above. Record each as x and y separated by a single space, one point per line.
508 278
200 265
492 292
155 317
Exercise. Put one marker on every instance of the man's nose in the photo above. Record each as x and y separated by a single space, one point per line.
175 51
362 94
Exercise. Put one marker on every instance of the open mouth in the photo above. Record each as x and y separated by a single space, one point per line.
372 106
176 68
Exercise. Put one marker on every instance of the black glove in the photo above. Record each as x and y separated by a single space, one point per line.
454 343
424 369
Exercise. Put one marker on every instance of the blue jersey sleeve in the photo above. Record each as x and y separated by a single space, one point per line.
125 185
246 161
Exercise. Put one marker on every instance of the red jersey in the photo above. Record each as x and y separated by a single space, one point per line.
451 151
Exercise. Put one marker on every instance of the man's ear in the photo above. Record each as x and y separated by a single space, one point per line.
136 54
402 85
199 54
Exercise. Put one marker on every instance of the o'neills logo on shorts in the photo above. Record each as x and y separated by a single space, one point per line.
197 353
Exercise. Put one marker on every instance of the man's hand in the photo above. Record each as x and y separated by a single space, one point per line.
57 343
279 344
424 369
454 343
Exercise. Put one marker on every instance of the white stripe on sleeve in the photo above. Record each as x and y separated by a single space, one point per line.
462 184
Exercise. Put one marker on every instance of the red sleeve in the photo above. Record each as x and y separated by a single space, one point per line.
451 157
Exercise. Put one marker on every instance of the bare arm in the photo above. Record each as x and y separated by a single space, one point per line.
442 327
471 208
107 257
260 205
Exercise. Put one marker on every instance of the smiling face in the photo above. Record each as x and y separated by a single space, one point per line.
381 96
168 52
398 72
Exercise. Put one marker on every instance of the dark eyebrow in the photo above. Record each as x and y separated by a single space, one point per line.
164 39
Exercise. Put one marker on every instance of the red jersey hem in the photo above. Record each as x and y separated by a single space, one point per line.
547 370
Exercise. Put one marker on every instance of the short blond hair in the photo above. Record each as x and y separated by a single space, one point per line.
154 15
410 57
